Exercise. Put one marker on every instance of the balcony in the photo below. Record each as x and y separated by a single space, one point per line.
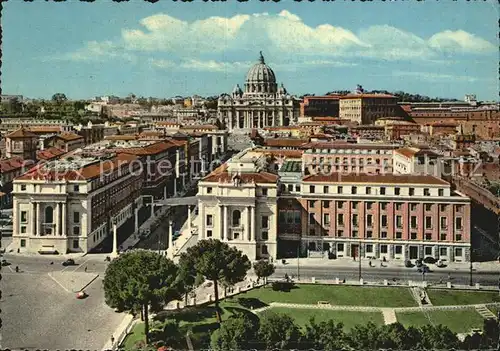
48 228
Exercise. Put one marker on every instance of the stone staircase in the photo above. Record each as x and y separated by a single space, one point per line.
485 312
420 296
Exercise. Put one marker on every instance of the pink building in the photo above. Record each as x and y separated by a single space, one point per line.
391 216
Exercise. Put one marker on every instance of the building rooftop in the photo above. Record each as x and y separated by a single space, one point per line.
368 96
284 142
376 179
69 136
11 164
21 133
49 154
353 146
291 166
414 152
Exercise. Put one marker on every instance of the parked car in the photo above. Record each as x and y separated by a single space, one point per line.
69 262
423 269
5 263
430 260
440 264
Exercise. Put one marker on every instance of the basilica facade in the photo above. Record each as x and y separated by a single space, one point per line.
261 104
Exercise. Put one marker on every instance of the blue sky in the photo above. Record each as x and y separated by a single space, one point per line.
436 48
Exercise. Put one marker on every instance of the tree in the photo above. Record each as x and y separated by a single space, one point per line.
326 335
188 278
59 98
263 269
279 331
237 333
138 280
218 262
438 337
364 337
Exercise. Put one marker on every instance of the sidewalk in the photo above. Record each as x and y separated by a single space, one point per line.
491 266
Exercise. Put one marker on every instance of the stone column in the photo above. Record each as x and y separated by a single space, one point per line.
58 219
225 227
201 221
115 241
189 219
33 219
171 235
38 218
252 223
164 193
63 222
136 220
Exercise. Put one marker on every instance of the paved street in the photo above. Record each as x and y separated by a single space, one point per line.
37 313
381 273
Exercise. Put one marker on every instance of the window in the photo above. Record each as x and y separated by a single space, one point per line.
458 237
444 222
23 229
413 236
368 190
49 214
76 217
311 218
326 204
440 192
428 251
209 233
369 205
340 219
209 190
340 189
383 220
428 207
265 235
24 216
369 220
369 248
76 230
264 192
297 188
399 235
413 207
236 236
443 251
326 219
354 205
76 188
340 204
312 231
382 191
459 208
355 220
23 187
458 223
383 206
23 242
427 192
340 247
443 208
325 189
383 249
428 222
399 222
397 191
340 233
265 222
311 188
236 218
399 206
311 203
442 236
411 191
458 252
413 222
75 244
383 235
354 233
354 190
210 220
398 249
369 233
290 187
428 236
263 249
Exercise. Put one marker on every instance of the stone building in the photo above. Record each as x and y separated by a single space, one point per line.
261 104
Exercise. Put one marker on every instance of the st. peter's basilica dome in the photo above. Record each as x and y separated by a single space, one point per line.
260 78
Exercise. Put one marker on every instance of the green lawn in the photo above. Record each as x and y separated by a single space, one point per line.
335 295
443 297
494 309
134 337
459 321
349 318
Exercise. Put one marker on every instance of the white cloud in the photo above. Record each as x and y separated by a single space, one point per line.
436 77
159 63
460 41
215 66
284 36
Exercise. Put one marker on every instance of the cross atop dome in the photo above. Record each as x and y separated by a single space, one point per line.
261 58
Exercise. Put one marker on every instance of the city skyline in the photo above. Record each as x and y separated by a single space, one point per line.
206 48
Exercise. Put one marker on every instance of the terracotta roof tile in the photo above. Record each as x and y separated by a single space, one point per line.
344 145
364 96
44 129
375 179
257 177
281 153
121 137
200 126
284 142
69 136
11 164
152 149
49 154
410 152
21 133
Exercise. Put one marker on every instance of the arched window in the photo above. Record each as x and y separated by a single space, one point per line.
236 218
49 214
